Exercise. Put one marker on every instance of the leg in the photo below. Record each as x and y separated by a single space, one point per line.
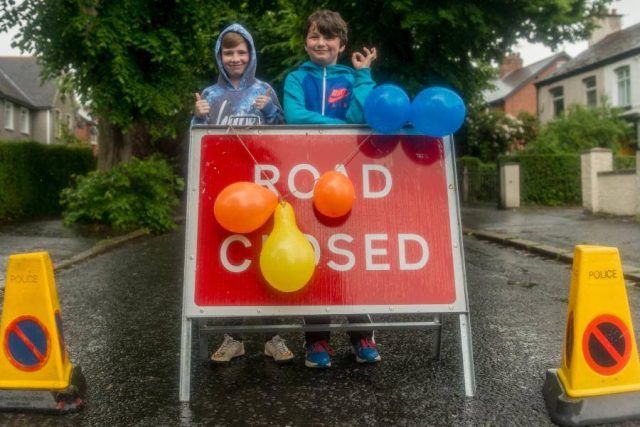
358 335
317 351
313 336
364 346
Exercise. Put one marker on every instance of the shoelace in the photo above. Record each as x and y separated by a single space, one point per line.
367 343
228 340
279 344
322 345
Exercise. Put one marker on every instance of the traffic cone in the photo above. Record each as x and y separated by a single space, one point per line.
35 371
599 380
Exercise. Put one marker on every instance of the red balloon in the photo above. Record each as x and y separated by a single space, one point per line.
333 194
243 207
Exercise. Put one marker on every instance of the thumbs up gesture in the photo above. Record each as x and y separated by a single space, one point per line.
201 106
262 100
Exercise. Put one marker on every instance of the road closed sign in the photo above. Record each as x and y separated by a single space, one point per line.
398 250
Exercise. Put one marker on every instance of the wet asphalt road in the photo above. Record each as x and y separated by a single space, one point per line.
122 323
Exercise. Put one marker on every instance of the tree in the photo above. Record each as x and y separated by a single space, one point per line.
140 61
581 128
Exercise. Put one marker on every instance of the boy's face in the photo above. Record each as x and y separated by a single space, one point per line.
235 60
322 50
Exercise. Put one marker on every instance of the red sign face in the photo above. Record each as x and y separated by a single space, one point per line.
606 344
393 248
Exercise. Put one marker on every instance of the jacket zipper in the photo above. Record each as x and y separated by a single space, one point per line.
324 86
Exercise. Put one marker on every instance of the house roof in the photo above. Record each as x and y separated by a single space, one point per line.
612 48
20 81
513 81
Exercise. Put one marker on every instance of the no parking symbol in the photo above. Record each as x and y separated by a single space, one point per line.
27 343
606 345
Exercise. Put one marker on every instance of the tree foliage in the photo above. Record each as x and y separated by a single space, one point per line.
139 61
490 133
581 128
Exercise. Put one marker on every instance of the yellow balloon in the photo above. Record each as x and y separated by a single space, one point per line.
287 260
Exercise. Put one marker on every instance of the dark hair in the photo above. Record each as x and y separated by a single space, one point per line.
232 39
329 24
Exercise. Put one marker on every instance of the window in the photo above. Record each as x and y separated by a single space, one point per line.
58 124
67 121
557 94
590 91
624 86
8 115
24 120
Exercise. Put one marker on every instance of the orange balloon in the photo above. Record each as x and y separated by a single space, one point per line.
243 207
333 194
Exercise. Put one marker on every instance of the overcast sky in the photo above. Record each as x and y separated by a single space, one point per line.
630 9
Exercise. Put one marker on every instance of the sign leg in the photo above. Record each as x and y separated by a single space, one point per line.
467 356
185 360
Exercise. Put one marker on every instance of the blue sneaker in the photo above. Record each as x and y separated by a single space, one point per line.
366 351
318 354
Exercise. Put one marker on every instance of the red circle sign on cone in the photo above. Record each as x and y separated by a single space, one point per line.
606 345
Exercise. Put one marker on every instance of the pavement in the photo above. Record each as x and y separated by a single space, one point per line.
554 232
66 246
551 232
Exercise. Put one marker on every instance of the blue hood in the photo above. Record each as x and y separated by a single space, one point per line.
249 76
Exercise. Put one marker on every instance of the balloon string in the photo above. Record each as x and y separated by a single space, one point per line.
283 197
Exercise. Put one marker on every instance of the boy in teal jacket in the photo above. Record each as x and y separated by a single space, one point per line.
322 92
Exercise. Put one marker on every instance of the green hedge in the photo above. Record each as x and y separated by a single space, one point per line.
548 179
32 175
624 162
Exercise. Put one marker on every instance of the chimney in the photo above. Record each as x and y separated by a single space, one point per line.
510 62
608 24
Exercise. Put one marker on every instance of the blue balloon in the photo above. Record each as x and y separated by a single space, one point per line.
387 108
437 111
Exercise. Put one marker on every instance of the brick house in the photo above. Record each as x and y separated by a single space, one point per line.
29 108
609 69
515 91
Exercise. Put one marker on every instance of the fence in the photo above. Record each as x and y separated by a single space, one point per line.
479 185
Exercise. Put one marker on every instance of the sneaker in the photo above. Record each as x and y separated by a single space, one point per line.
318 354
229 349
277 349
366 351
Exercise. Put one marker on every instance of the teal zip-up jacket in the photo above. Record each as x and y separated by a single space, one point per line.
335 94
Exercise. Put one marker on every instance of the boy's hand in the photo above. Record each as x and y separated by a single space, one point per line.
262 100
201 107
364 61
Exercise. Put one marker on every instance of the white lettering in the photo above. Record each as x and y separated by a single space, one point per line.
404 265
269 182
340 168
292 177
351 259
316 246
366 188
223 253
370 252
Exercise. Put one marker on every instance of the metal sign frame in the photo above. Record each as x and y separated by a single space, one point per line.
192 312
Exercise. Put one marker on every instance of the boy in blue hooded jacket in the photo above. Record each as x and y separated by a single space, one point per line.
322 92
238 98
242 100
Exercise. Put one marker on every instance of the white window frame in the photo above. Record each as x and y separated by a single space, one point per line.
555 97
623 83
8 115
67 119
57 123
590 90
25 121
